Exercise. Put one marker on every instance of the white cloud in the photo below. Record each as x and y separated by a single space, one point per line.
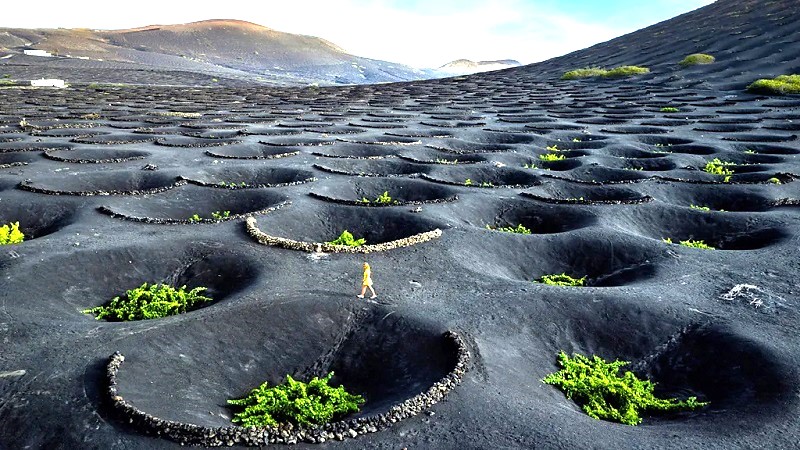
421 37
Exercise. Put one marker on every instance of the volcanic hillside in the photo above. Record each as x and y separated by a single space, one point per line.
671 199
749 39
230 48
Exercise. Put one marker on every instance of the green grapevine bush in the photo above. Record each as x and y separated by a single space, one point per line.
346 238
149 302
10 234
561 280
312 403
605 394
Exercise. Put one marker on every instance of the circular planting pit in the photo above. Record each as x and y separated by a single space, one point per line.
250 177
731 198
193 204
576 145
630 152
356 151
292 141
95 156
663 141
115 139
69 133
372 168
401 190
382 228
719 230
194 142
17 159
715 362
383 140
400 365
458 147
86 279
565 192
604 259
483 176
760 137
425 155
37 217
10 147
767 149
606 175
537 217
103 183
251 151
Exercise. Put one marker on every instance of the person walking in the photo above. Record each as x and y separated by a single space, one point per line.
366 282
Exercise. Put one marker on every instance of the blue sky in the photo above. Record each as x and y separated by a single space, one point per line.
415 32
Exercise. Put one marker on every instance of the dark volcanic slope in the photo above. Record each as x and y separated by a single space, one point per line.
103 181
749 39
217 48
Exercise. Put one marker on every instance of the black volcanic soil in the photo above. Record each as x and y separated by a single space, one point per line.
632 176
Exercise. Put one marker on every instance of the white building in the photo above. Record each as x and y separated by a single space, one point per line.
36 53
52 82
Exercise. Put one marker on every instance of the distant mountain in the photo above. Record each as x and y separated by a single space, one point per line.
465 66
225 48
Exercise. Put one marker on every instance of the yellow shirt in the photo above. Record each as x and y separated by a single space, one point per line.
367 278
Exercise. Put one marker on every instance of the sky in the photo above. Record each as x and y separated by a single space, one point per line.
418 33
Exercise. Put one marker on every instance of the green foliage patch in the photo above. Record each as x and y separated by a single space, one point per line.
10 234
604 394
718 167
561 279
149 302
626 71
552 157
784 84
697 59
346 238
597 72
312 403
383 199
669 109
220 215
519 229
691 244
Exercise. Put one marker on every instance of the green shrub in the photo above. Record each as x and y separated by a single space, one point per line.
346 238
696 59
312 403
784 84
587 72
552 157
696 244
149 302
220 215
195 218
561 280
626 71
774 180
383 199
519 229
553 148
598 387
597 72
700 208
717 167
10 234
669 109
